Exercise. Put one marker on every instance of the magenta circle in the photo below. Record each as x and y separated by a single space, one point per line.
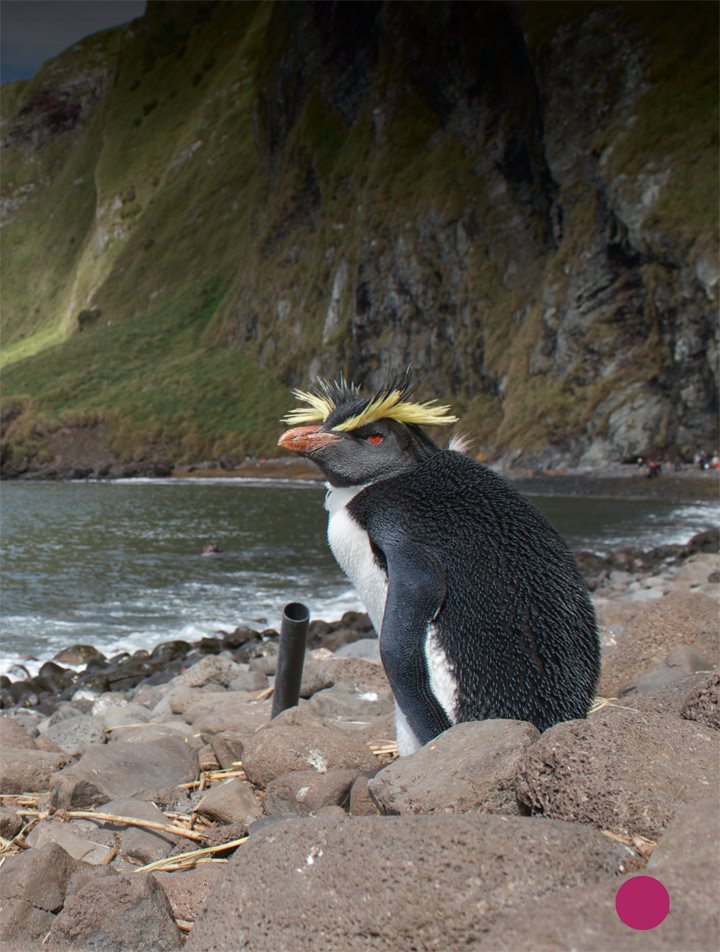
642 902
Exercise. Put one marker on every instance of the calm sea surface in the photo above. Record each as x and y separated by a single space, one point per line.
119 564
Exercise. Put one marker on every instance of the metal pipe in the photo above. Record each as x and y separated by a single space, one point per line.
293 637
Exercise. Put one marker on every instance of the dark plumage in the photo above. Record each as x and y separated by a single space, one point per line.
480 608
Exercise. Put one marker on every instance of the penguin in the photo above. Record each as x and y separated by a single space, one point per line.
480 609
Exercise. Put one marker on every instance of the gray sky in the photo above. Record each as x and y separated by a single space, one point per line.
32 31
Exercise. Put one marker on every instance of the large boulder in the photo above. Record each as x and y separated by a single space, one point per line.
389 883
622 770
472 766
125 770
32 892
115 912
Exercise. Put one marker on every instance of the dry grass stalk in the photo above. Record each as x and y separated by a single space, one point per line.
122 727
212 776
264 694
190 864
641 844
207 851
183 925
132 821
384 748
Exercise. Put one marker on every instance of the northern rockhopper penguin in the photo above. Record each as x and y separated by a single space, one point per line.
479 606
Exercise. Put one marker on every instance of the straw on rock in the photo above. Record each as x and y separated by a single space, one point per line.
192 855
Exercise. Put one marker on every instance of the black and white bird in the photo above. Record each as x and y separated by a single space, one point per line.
479 606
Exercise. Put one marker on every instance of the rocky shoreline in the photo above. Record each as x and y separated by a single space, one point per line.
149 801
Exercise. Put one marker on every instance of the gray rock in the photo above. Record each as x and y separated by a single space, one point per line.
585 919
238 712
688 618
75 734
361 803
32 890
232 801
306 791
323 884
472 766
228 748
366 648
677 664
315 677
125 770
29 771
115 912
621 770
78 841
348 701
281 747
703 702
692 836
188 890
13 735
213 670
250 681
144 845
10 823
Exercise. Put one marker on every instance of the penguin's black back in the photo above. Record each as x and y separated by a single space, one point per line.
516 622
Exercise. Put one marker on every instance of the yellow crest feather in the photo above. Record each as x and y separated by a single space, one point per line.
390 403
319 408
392 407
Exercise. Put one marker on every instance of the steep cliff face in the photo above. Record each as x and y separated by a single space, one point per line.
221 200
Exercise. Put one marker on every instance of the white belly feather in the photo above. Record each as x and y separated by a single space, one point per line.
351 547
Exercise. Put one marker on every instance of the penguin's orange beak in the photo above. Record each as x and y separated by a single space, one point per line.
305 439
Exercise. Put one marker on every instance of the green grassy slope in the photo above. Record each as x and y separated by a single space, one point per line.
202 264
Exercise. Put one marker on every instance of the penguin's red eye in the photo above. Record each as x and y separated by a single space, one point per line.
375 438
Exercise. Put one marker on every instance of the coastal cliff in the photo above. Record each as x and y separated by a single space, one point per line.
219 201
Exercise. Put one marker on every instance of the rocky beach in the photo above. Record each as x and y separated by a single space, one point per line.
149 801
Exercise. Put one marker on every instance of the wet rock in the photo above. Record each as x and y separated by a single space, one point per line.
324 883
140 914
232 801
32 890
124 770
78 654
188 890
703 702
76 734
688 618
240 636
170 651
621 770
282 747
306 791
472 766
29 771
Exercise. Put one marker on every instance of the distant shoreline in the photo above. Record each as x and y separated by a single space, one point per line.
616 480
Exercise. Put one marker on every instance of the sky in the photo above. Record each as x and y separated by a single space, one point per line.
32 31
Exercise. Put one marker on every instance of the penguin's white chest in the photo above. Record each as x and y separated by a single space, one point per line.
351 547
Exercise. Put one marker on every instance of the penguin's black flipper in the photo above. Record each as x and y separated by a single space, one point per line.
416 590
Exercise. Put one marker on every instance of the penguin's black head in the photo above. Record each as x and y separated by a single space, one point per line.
356 439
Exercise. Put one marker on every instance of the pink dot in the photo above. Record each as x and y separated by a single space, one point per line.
642 902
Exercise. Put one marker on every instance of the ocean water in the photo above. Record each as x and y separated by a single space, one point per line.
120 565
